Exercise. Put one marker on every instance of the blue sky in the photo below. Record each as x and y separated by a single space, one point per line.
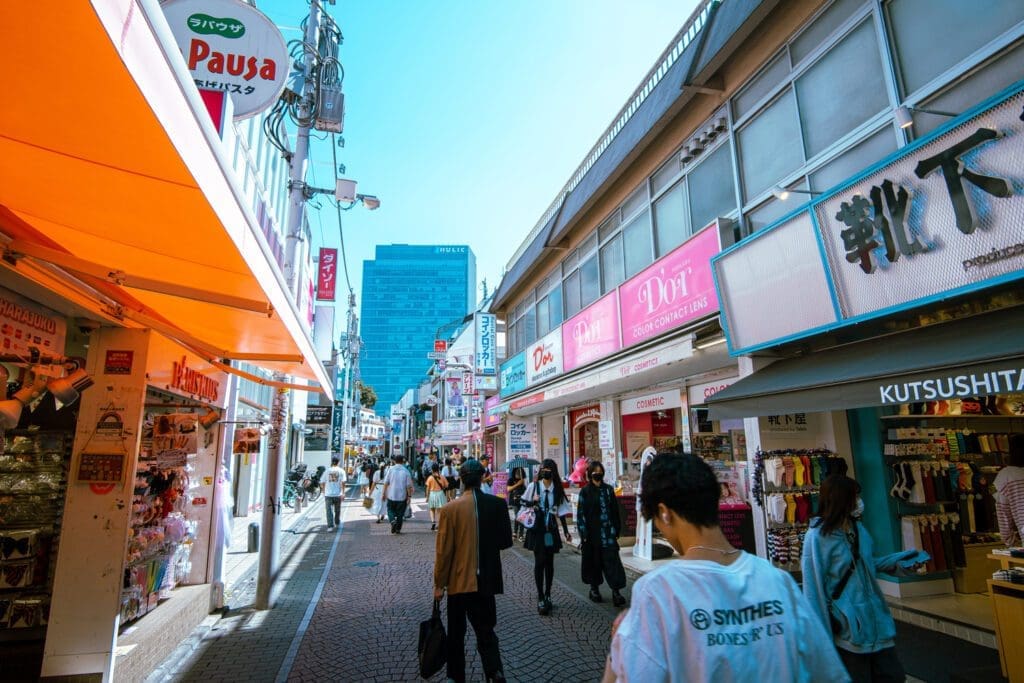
466 118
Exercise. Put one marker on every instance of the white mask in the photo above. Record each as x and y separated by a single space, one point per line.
858 509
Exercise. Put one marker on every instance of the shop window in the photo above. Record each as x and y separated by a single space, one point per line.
842 90
769 146
636 237
611 264
671 219
712 190
763 83
822 27
862 155
994 76
931 36
571 294
590 281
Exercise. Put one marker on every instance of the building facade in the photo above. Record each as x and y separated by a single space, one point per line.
616 343
411 295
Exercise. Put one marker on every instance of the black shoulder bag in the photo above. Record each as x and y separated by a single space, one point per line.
843 580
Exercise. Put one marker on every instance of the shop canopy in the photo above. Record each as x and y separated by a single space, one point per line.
115 189
977 356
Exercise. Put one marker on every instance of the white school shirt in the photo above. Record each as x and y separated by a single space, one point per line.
697 620
536 491
335 480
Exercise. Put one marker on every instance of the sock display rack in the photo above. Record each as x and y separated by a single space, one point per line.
33 483
786 489
941 468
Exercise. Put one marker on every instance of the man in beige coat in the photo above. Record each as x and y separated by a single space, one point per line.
472 531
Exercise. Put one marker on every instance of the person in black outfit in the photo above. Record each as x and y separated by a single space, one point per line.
516 487
472 532
597 519
547 495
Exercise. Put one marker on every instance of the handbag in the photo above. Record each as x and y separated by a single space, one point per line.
527 517
367 502
433 644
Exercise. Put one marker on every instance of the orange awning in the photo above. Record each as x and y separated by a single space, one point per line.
112 174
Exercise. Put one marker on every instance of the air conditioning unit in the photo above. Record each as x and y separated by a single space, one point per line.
330 114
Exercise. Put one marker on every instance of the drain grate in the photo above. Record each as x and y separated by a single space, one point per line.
365 563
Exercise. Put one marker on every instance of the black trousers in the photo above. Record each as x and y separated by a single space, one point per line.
598 561
483 616
873 667
396 513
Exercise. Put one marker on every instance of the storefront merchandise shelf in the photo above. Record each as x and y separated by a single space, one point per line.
920 418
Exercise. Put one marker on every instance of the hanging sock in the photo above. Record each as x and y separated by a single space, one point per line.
897 474
798 471
787 462
790 508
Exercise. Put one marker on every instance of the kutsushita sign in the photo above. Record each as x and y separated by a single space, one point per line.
229 45
1008 381
486 344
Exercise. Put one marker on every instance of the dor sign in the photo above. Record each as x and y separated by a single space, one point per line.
231 46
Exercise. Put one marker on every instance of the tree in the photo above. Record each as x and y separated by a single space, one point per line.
367 396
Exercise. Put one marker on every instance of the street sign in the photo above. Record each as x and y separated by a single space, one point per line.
436 355
440 346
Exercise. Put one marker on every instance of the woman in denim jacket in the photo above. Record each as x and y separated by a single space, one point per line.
850 603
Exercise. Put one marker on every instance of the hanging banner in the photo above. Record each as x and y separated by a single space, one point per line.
486 344
327 274
25 324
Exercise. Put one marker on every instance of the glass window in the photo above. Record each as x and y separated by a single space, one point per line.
571 294
712 191
590 281
512 329
666 174
555 308
997 74
636 237
773 74
671 220
930 36
529 325
770 147
772 210
815 34
611 265
635 201
609 227
842 90
588 246
854 160
543 317
569 263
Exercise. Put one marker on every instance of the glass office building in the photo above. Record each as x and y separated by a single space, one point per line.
409 291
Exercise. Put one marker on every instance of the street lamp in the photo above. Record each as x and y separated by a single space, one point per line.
344 192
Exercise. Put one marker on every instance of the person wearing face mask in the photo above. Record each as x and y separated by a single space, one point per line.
547 495
839 568
597 520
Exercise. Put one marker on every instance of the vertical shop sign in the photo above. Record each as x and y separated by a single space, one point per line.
591 334
327 274
486 344
605 439
513 375
337 429
468 384
675 290
520 438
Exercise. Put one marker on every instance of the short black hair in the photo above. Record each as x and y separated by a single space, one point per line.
335 460
1016 450
685 484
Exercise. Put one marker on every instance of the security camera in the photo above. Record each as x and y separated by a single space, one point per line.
86 325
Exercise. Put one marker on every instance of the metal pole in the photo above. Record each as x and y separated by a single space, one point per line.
270 531
300 159
215 555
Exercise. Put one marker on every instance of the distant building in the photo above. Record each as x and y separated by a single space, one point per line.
409 292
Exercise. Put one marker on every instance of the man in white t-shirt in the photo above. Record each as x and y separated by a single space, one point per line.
333 488
718 614
397 492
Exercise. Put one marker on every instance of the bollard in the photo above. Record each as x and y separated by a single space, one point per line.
254 537
300 498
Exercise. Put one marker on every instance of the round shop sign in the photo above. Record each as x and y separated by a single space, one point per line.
230 46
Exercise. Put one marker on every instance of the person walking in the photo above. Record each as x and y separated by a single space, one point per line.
436 494
488 478
333 488
451 475
365 472
717 614
397 492
597 520
839 567
516 487
472 532
379 507
547 495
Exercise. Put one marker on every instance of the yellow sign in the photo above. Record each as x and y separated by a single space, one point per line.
553 441
207 481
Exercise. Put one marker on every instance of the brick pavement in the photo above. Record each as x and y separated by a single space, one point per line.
379 589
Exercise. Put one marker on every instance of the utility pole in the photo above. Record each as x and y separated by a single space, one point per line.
270 530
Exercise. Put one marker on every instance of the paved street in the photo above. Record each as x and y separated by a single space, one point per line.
364 625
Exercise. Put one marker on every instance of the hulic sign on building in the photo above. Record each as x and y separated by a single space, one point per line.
231 46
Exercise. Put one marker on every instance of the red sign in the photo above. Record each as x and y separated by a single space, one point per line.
216 104
440 346
327 279
192 381
118 362
588 414
533 399
468 384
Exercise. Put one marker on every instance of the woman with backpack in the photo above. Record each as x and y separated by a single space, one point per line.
437 496
548 499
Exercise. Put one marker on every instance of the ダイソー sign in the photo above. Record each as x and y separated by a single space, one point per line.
229 45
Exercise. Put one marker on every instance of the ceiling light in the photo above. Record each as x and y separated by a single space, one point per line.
711 341
782 193
903 117
67 389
